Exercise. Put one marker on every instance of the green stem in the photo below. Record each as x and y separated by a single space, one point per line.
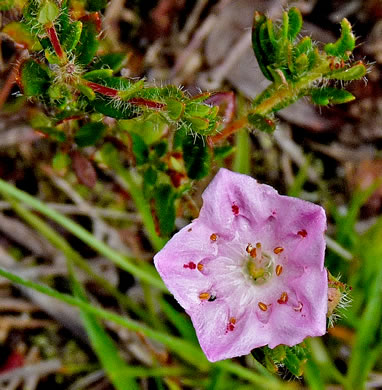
141 205
184 349
322 359
122 261
60 243
242 160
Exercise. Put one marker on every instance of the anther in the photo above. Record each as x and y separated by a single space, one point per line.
283 299
299 307
232 320
279 269
213 237
204 296
200 266
303 233
278 250
231 324
249 248
263 306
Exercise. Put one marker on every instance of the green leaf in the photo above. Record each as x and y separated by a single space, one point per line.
101 342
88 44
197 158
175 109
60 161
259 23
140 150
35 79
55 134
328 95
222 152
164 198
48 13
113 108
355 72
20 34
90 133
344 45
262 123
72 37
114 61
96 5
295 360
6 5
295 23
98 74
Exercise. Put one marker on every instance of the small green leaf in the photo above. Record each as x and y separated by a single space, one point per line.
98 74
20 34
175 109
6 5
55 134
89 134
112 108
198 124
197 109
114 61
295 23
35 79
60 161
259 20
262 123
88 44
344 45
87 91
164 198
222 152
72 37
96 5
48 13
150 176
355 72
140 150
328 95
295 360
196 157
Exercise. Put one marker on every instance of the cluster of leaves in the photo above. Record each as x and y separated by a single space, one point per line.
296 67
292 358
161 130
80 88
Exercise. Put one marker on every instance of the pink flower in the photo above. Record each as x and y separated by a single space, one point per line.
250 270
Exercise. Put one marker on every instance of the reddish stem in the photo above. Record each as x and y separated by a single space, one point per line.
102 89
230 129
145 102
12 77
52 34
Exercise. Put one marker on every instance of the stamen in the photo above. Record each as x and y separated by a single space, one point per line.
279 269
204 296
299 307
278 250
212 298
200 266
235 209
258 252
232 320
283 299
303 233
213 237
263 306
249 248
